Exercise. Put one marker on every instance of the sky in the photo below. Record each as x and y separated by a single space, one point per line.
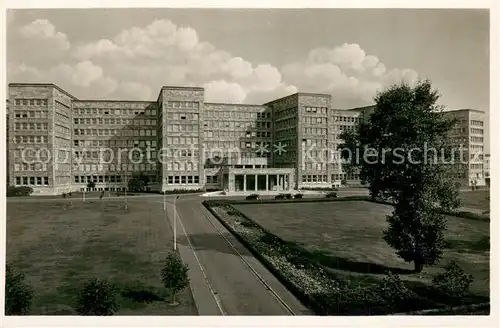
253 56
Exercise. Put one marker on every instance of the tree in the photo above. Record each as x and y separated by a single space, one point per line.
403 151
174 275
91 185
138 182
98 297
18 294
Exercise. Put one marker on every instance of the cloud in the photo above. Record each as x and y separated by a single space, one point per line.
222 91
137 61
136 90
163 53
42 31
346 72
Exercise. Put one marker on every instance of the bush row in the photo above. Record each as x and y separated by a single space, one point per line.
326 293
13 191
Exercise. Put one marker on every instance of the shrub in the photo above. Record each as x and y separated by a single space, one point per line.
298 196
19 191
332 194
174 275
98 297
288 196
453 282
393 291
252 196
280 196
18 294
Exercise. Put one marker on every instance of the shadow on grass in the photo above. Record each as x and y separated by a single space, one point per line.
141 294
334 262
481 245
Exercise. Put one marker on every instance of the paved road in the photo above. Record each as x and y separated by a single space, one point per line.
239 290
221 281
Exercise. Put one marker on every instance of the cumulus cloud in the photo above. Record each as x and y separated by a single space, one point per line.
222 91
347 72
41 30
137 61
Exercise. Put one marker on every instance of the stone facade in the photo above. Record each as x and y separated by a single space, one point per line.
182 142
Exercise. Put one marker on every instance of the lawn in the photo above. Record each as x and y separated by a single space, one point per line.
476 199
59 246
347 237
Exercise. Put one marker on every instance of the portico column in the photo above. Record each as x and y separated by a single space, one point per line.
244 182
267 182
256 182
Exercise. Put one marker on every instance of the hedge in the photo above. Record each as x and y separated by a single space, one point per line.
341 298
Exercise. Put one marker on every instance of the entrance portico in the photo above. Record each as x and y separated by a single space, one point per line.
262 179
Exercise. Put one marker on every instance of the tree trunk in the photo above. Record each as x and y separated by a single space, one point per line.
418 266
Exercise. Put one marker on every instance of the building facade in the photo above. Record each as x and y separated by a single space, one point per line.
58 143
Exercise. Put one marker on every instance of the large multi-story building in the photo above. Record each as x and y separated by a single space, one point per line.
58 143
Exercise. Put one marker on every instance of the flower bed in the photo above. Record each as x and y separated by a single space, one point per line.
321 290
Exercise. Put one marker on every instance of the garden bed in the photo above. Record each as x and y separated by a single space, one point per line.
320 289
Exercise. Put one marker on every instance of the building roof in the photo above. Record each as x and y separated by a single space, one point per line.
52 85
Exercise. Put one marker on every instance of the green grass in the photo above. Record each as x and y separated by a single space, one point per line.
346 237
476 199
59 246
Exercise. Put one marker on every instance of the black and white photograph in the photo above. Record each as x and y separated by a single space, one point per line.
248 161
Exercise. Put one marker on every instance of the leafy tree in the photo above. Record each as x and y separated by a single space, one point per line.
174 275
453 282
98 297
401 151
18 294
91 185
138 182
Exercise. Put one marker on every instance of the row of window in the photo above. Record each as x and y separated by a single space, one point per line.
182 166
315 131
114 167
314 120
30 139
113 121
314 166
236 125
476 166
32 114
32 181
182 104
97 178
182 141
182 128
115 143
115 132
30 167
347 127
286 133
30 102
347 119
476 123
182 116
315 178
212 179
283 123
232 114
476 131
285 112
183 179
314 110
110 111
345 176
476 139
